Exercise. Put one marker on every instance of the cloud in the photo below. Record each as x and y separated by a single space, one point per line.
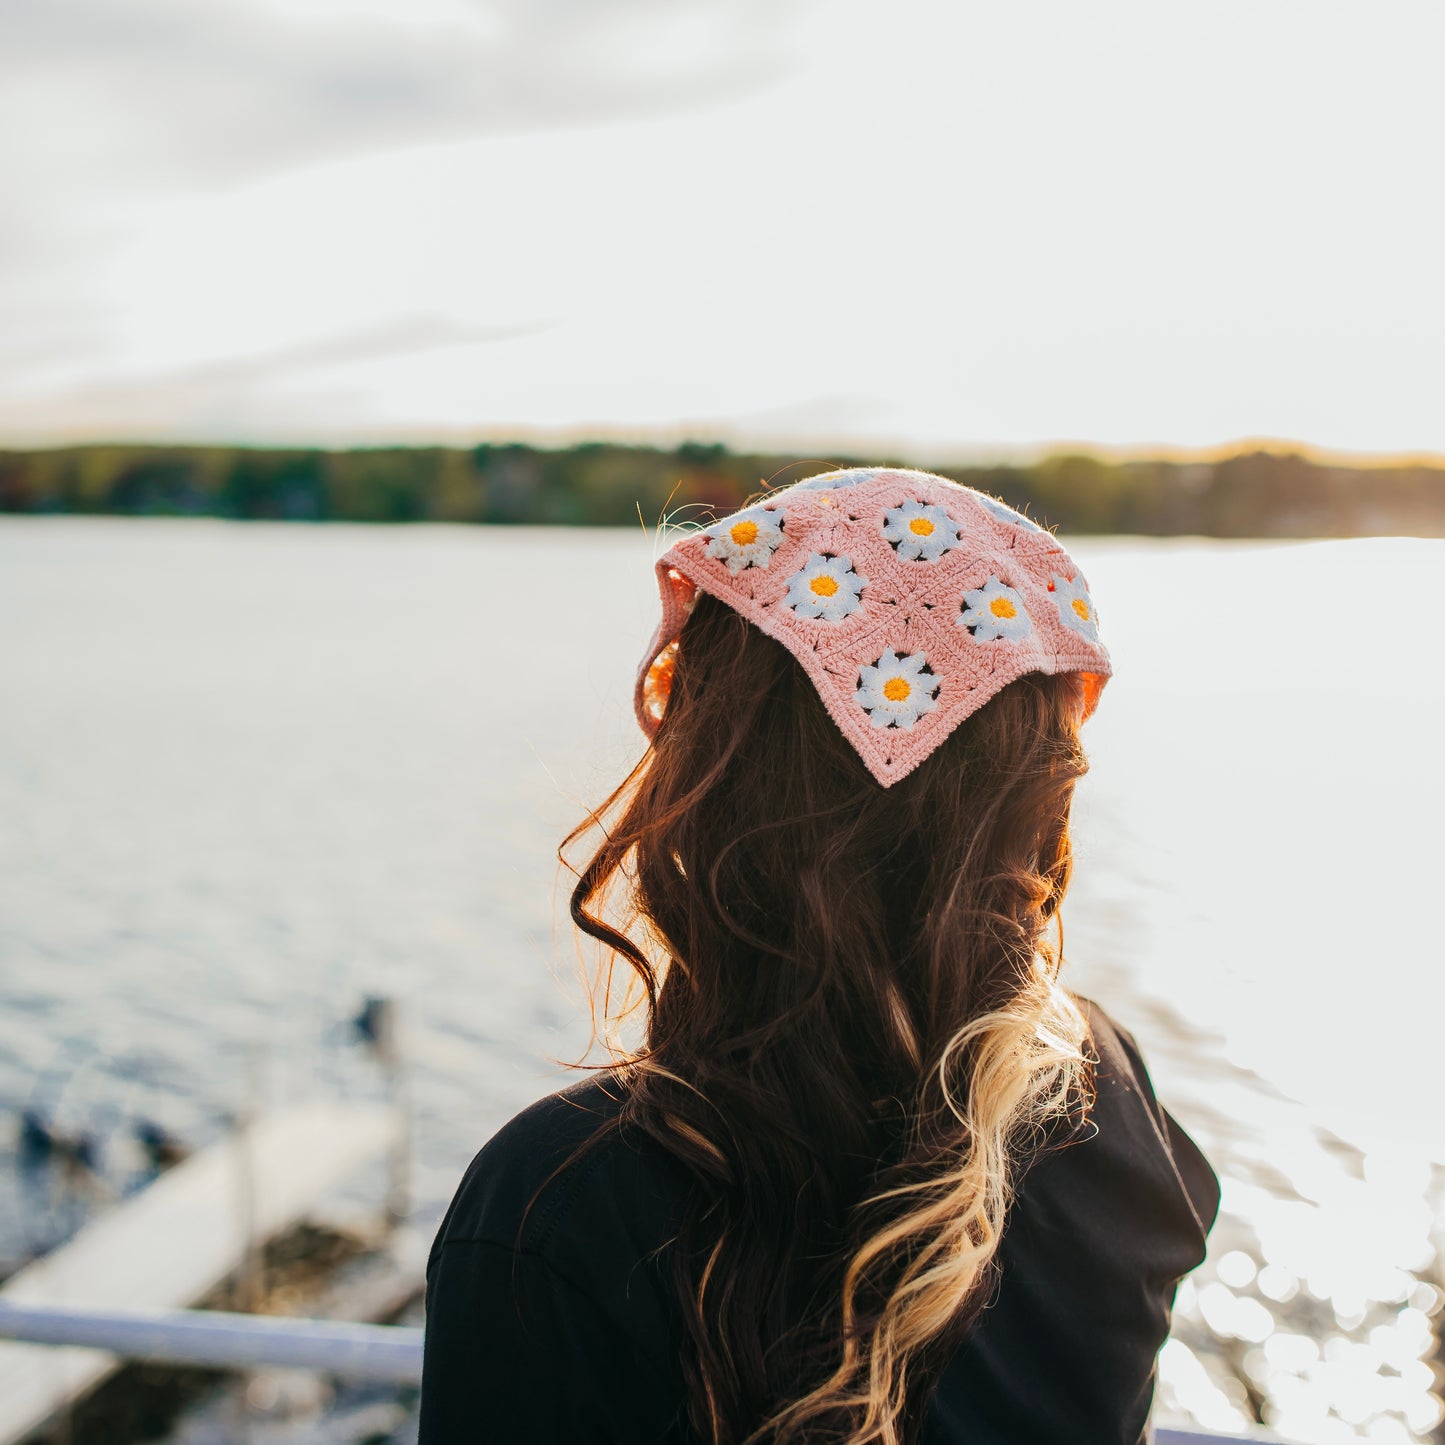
404 337
112 110
183 92
272 391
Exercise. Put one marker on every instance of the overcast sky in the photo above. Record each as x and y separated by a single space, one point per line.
919 228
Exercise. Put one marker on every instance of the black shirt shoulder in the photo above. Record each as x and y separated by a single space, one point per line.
567 1183
548 1303
1142 1139
1100 1233
550 1313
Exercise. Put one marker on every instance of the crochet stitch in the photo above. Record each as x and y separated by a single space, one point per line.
908 599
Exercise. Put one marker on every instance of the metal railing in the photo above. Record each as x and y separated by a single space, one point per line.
240 1342
209 1337
1192 1437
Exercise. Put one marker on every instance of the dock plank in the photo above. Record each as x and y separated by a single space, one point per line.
177 1240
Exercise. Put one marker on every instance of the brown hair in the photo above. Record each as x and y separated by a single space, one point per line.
853 1031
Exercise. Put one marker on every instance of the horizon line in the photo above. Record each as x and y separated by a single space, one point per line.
660 439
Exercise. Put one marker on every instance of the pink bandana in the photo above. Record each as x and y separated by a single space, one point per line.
909 600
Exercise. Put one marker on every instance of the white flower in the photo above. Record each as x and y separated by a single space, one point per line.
827 587
1076 607
1002 513
746 539
835 481
995 612
920 533
895 691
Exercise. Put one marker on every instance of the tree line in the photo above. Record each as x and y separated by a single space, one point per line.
1252 494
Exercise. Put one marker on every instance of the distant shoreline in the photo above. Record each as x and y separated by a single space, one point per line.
1252 493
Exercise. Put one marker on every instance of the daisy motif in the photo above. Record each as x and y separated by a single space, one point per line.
1002 513
835 481
994 613
896 691
1076 607
919 533
827 588
747 539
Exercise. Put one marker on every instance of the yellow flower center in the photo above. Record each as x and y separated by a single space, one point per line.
744 534
824 585
1081 607
896 689
1002 607
921 527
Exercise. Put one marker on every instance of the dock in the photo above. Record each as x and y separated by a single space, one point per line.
177 1240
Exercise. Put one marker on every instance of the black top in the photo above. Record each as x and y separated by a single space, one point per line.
567 1332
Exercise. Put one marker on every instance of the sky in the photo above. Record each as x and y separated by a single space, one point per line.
935 228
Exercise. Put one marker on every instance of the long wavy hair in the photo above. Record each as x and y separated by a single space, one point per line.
852 1034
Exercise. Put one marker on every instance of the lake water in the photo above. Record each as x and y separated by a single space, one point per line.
251 773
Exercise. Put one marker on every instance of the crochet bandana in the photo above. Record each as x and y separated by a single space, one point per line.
909 600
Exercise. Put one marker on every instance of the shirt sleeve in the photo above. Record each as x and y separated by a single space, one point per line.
515 1353
1196 1174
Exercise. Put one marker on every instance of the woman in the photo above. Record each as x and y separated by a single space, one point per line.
872 1174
